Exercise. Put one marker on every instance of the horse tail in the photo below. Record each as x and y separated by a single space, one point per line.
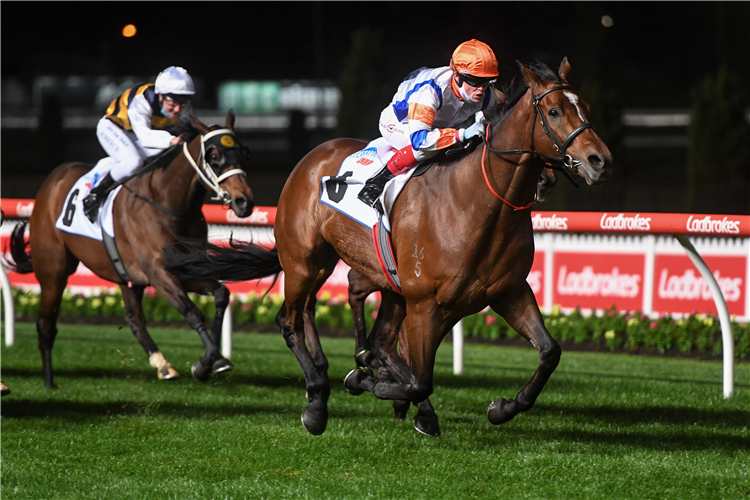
21 258
191 259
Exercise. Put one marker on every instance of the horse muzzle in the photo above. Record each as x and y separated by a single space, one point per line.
596 168
243 206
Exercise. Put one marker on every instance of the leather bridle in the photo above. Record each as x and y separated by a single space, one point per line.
564 162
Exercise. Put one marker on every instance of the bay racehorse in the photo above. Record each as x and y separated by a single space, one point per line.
152 209
461 234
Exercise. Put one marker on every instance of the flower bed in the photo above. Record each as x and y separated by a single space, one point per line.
631 332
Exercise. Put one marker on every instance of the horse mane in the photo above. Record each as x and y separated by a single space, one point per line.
516 89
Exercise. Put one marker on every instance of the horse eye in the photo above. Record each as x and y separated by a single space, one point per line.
214 157
553 113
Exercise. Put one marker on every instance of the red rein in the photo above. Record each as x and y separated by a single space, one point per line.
487 180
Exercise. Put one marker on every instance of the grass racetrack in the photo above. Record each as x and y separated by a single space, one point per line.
606 426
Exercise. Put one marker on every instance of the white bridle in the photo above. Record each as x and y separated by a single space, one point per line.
206 173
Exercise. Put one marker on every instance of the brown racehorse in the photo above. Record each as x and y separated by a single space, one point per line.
462 237
152 208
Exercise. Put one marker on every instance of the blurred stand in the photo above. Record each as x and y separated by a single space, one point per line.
282 121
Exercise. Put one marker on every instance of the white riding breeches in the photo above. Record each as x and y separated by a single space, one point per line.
398 135
123 148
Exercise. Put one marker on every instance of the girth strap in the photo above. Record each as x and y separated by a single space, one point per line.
114 256
385 255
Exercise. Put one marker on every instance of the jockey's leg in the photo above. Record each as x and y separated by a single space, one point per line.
127 156
402 161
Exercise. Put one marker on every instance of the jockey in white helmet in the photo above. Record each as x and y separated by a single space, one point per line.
133 129
428 106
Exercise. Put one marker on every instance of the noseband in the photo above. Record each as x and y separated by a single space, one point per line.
206 172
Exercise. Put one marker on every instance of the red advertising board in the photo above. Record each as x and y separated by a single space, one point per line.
536 277
598 280
679 287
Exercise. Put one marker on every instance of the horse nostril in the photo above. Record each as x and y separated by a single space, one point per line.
240 202
596 161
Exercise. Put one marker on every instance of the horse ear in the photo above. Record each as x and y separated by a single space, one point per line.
230 119
564 71
199 126
531 79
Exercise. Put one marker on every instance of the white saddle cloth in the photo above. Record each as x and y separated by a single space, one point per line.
73 220
341 192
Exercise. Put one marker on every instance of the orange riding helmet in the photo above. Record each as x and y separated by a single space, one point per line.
474 58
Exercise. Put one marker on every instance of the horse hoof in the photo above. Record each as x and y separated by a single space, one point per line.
315 424
200 372
429 426
500 411
352 380
168 373
222 365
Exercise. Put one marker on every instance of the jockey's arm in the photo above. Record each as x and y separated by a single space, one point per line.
139 114
423 106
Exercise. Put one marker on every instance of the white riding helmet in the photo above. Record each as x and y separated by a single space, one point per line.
174 80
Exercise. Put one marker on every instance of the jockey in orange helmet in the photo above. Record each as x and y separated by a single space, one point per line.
428 106
133 129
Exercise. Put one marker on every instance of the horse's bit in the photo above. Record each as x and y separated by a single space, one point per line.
206 172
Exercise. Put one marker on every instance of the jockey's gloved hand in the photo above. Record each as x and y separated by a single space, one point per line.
476 130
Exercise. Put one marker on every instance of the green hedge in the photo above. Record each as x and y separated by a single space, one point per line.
631 331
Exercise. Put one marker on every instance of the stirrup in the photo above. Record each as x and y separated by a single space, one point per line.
92 210
370 193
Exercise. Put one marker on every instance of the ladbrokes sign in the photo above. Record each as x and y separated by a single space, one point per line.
679 287
596 281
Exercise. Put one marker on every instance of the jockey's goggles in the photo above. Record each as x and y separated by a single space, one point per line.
476 82
174 100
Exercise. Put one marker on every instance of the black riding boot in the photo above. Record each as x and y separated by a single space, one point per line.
374 186
93 201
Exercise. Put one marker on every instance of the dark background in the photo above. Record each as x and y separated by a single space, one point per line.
656 56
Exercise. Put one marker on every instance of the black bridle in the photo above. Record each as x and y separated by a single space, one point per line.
564 162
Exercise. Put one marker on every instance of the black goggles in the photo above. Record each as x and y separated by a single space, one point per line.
477 82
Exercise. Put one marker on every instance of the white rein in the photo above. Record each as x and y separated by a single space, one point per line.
206 173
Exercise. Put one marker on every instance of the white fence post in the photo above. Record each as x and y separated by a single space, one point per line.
226 332
458 348
10 313
727 338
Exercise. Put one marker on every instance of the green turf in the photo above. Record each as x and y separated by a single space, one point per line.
606 426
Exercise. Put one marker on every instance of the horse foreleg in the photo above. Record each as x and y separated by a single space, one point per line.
405 384
522 314
221 302
172 290
133 300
